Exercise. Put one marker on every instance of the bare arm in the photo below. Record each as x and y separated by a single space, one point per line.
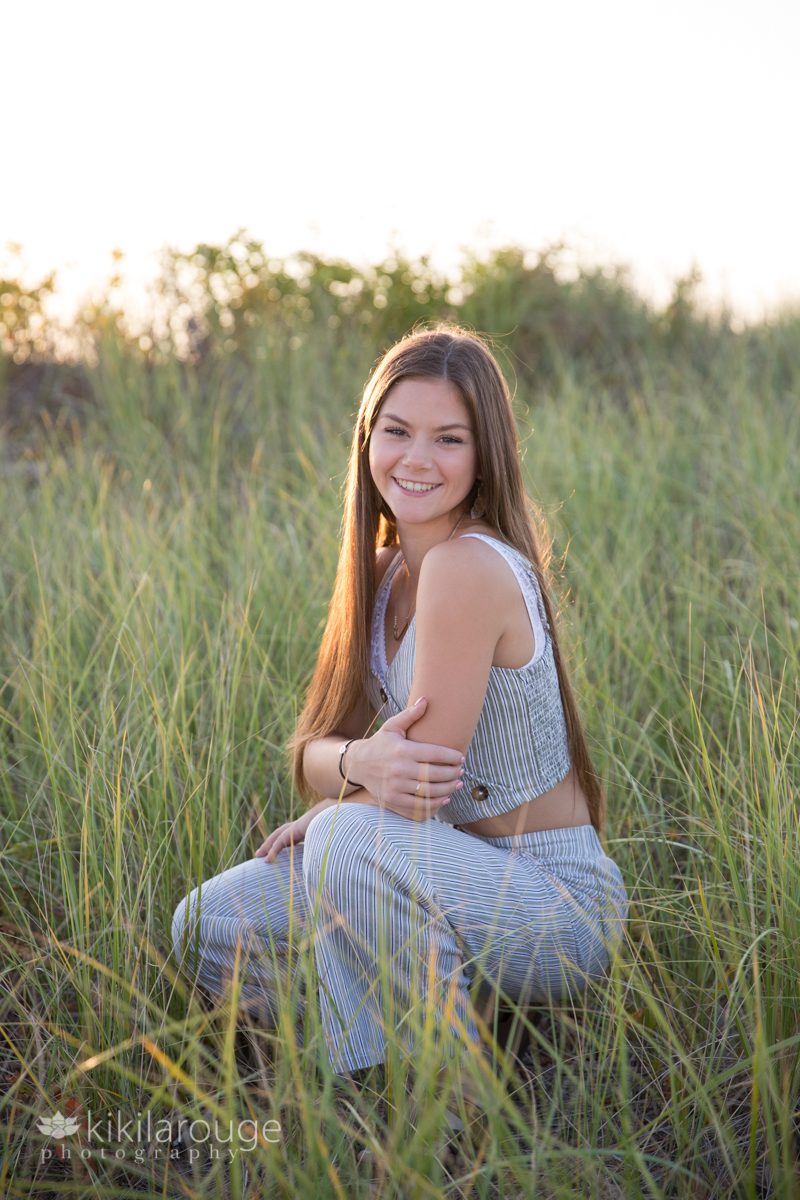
386 766
321 766
321 757
458 628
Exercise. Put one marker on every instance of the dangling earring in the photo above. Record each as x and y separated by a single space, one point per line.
477 510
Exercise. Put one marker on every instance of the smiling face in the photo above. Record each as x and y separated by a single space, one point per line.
422 452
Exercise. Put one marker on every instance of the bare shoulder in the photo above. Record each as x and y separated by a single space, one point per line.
468 566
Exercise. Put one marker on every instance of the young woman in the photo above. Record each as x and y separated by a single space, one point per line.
458 840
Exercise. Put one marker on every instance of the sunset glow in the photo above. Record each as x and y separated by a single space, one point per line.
657 135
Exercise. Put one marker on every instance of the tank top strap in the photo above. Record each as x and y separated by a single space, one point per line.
529 586
377 648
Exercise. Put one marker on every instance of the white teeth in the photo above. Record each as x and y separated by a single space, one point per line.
415 487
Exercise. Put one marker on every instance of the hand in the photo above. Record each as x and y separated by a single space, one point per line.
290 833
414 779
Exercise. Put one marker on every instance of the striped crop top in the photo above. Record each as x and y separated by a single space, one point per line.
519 748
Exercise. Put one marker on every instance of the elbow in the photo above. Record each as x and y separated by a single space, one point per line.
313 784
306 767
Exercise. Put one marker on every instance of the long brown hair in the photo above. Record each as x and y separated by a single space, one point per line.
341 676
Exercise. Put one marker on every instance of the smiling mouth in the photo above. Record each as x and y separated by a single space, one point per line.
416 489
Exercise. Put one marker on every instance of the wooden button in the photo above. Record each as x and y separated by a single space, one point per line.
384 697
480 792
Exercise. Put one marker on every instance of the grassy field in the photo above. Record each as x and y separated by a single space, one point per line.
168 555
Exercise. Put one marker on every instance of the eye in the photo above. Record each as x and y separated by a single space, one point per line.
448 438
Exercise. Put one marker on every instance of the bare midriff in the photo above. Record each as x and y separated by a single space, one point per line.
563 806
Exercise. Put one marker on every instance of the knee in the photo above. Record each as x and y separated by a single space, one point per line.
182 921
332 840
189 926
201 920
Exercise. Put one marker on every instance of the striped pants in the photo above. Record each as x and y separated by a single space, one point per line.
403 917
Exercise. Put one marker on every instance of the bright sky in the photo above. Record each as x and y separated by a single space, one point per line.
654 132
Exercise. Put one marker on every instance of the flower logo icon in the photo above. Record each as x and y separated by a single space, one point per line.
57 1126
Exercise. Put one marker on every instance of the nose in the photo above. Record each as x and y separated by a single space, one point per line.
416 455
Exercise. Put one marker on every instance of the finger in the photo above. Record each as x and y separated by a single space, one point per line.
268 842
407 716
426 773
424 800
262 849
429 752
279 844
291 835
421 788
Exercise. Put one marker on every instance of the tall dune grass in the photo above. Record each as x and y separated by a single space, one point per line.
164 583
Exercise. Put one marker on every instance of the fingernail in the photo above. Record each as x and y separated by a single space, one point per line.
459 784
420 700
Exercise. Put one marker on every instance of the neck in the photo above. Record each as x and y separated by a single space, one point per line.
416 541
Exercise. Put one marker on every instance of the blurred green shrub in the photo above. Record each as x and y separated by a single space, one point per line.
554 321
218 300
24 326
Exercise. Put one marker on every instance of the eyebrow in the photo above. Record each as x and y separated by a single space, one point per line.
439 429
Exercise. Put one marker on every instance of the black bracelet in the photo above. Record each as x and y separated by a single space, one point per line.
342 751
